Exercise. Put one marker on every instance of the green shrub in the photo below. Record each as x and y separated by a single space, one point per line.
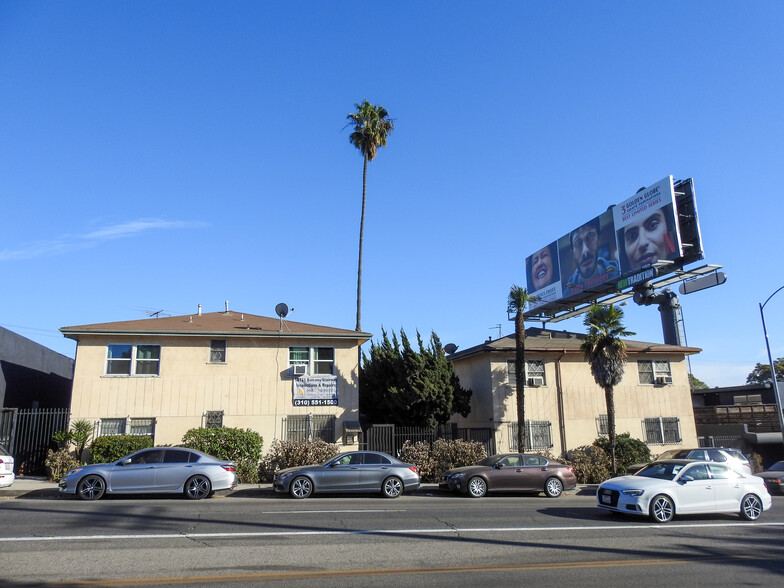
628 451
290 454
110 448
591 464
60 462
433 460
242 446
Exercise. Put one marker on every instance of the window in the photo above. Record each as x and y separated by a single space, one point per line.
323 360
218 351
213 419
112 426
127 426
133 360
601 425
317 360
141 427
538 436
654 371
534 368
308 427
661 430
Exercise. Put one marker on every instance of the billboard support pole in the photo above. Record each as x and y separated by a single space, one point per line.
669 308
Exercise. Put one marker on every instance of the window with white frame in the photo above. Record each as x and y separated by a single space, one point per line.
661 430
218 351
534 373
133 360
315 360
654 371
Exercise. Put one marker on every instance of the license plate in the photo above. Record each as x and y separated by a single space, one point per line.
605 499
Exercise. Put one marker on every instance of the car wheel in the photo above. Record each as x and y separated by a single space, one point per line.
301 487
477 487
750 507
197 487
91 487
553 487
392 487
662 509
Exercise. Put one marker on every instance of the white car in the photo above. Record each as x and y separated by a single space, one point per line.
6 467
668 487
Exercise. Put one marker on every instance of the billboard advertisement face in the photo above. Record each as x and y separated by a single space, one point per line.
594 257
646 228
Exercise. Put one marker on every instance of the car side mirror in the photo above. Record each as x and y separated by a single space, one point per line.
685 479
125 462
499 466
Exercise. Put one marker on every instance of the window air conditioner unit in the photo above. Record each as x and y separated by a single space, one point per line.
664 379
299 369
536 381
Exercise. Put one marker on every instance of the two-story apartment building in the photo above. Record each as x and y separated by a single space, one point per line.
564 406
163 376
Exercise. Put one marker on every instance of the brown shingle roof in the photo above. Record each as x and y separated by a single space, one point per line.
229 324
546 340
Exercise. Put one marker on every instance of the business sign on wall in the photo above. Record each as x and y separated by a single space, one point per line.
315 391
613 250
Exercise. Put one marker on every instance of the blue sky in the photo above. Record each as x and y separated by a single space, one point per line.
160 155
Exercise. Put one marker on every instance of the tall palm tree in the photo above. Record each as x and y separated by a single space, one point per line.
372 126
606 354
516 303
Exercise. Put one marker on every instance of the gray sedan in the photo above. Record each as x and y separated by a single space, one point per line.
158 470
356 471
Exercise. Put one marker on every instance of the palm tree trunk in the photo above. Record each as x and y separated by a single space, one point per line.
361 237
520 378
610 400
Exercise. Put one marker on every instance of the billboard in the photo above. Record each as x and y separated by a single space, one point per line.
607 253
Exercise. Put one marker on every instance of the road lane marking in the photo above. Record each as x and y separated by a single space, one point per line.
437 531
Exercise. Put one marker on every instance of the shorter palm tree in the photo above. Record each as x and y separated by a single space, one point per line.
606 354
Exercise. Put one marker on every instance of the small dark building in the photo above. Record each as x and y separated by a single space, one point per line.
31 375
744 417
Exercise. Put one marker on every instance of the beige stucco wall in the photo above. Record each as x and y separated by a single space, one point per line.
582 399
252 388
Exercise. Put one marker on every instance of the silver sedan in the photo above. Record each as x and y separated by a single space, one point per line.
158 470
356 471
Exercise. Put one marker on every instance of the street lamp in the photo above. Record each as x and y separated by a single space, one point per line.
772 367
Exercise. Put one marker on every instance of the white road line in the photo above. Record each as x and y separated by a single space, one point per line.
447 531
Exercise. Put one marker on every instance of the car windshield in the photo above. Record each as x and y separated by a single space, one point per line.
661 471
777 467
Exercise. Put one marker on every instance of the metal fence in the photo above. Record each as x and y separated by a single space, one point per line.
391 438
27 434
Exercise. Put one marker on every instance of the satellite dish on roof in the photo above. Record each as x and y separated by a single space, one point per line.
281 310
450 348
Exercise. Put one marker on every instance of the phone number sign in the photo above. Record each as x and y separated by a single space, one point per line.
315 391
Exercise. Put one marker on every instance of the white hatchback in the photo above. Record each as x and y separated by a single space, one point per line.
668 487
6 467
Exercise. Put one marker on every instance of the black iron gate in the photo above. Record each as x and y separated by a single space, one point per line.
27 434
